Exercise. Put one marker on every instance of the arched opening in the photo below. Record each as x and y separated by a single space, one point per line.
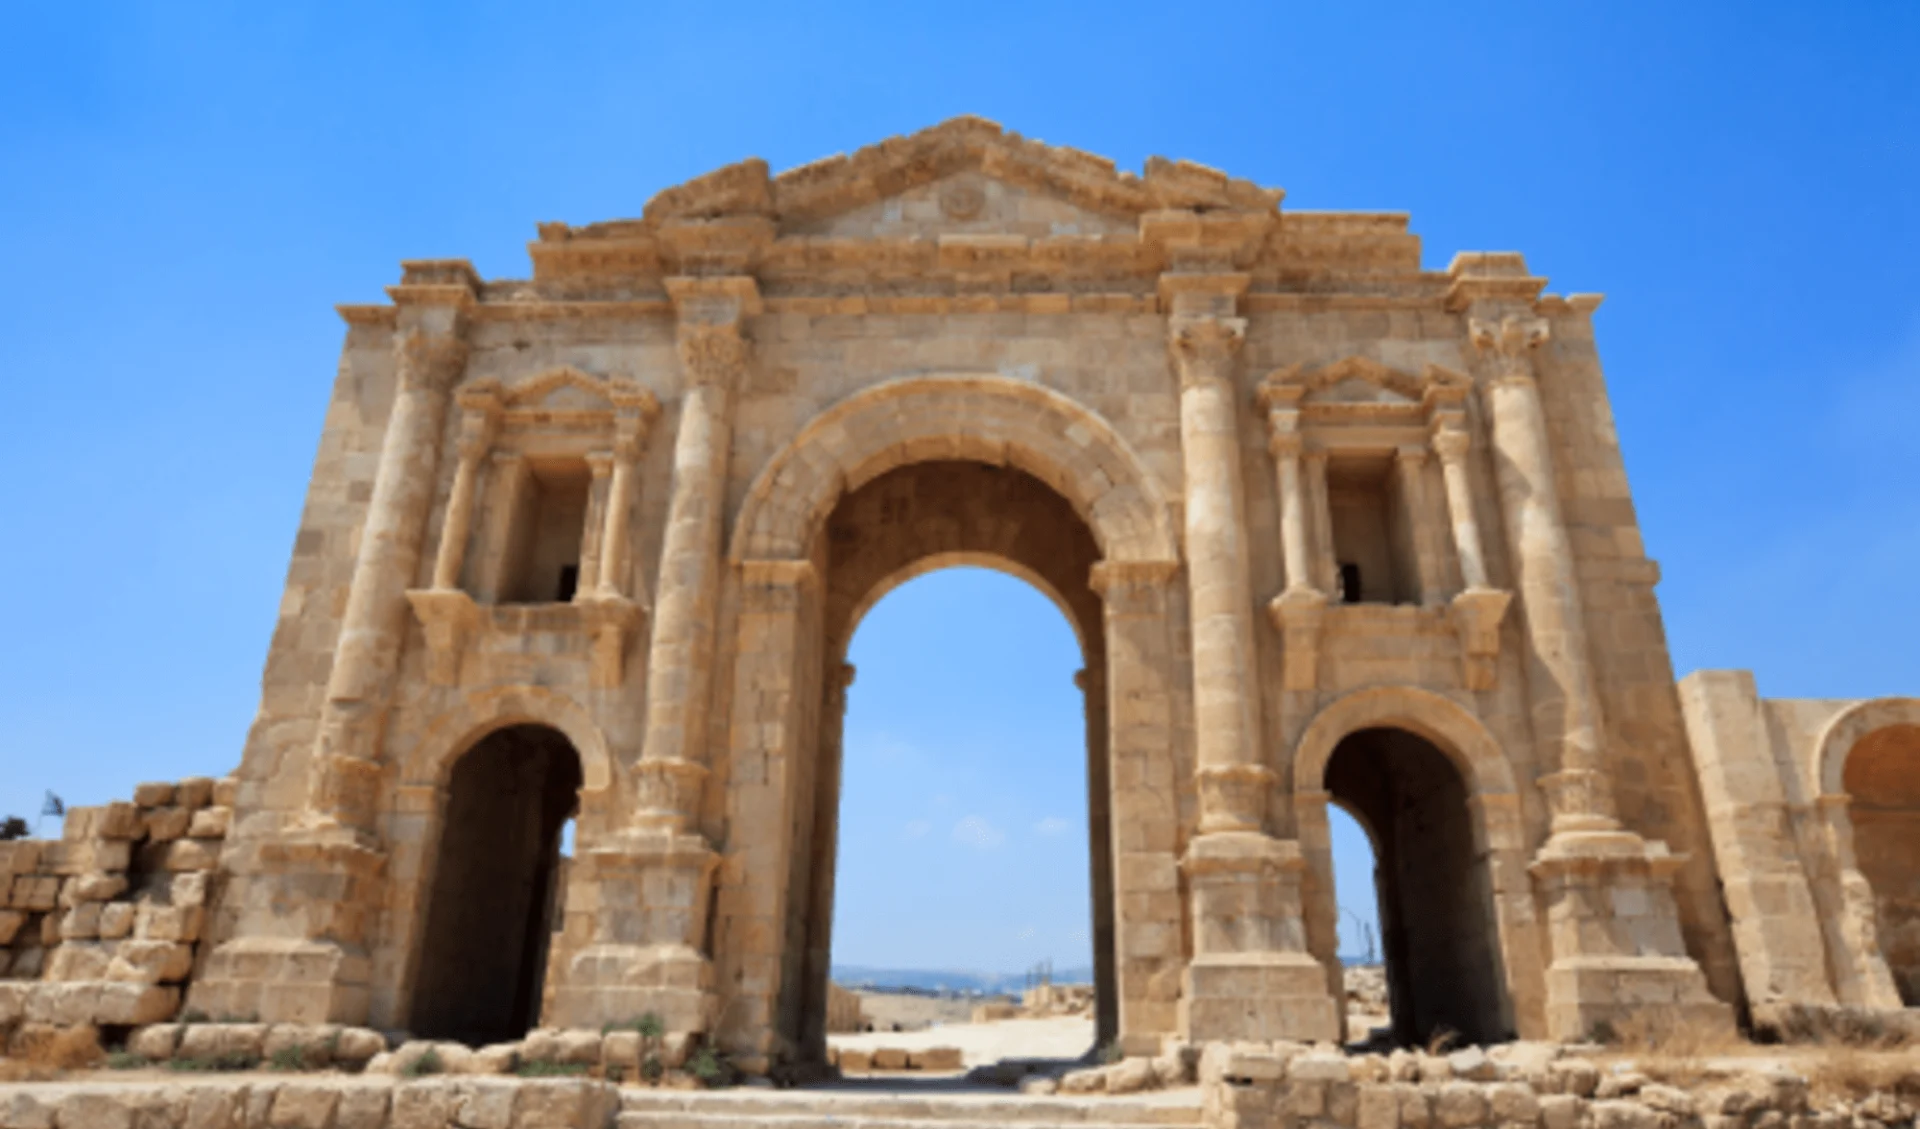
1882 777
1438 934
497 877
902 525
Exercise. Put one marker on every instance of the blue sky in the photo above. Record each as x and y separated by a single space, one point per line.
185 190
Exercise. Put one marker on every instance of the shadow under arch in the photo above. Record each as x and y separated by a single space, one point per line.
493 882
1491 804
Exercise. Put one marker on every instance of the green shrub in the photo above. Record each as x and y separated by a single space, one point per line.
125 1060
289 1058
428 1063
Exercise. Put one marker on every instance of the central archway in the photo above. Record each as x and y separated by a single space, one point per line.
948 446
898 526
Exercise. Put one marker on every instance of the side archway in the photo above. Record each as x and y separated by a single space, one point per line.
1865 765
1493 810
970 417
1845 731
480 713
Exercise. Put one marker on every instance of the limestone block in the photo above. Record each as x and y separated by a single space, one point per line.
1378 1108
304 1105
1318 1067
1622 1114
10 922
362 1107
495 1058
150 962
50 930
423 1104
96 1110
27 1109
1459 1105
1513 1103
541 1044
13 1001
208 1041
193 792
155 1042
168 923
189 854
580 1048
188 889
166 824
855 1062
552 1103
1577 1076
210 823
487 1104
153 795
357 1045
79 960
118 820
67 858
1086 1081
38 892
225 791
1472 1064
312 1042
81 922
78 823
889 1058
127 1005
1560 1111
116 920
99 886
621 1049
1667 1099
1124 1077
19 856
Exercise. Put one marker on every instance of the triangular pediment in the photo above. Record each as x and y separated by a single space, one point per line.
562 389
896 171
967 203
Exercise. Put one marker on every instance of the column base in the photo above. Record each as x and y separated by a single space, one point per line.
1261 997
618 984
302 905
644 898
1619 964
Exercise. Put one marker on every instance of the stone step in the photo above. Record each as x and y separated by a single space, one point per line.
948 1119
843 1109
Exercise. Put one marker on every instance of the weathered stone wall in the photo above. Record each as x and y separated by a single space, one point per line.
102 926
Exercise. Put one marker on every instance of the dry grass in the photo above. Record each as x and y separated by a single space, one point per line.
1840 1058
38 1052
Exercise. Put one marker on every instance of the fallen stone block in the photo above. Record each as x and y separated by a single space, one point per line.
155 1042
210 823
125 1005
936 1058
153 794
167 823
855 1061
193 792
889 1058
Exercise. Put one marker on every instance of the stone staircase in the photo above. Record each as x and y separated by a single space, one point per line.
908 1106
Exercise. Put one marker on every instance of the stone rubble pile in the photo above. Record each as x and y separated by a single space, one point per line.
270 1102
1518 1086
102 925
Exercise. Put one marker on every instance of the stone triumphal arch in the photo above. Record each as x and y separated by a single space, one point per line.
1332 528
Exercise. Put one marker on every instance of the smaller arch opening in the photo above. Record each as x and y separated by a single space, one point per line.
1438 939
494 897
1882 776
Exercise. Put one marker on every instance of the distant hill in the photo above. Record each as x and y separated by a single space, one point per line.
947 980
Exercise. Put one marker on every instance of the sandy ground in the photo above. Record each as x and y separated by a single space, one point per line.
981 1043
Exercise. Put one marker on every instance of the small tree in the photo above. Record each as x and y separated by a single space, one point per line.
13 827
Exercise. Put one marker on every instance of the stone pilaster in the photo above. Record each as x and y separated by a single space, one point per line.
1410 465
653 882
1478 609
1301 606
1250 976
430 354
1613 926
304 959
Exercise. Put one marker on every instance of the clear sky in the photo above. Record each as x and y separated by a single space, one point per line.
186 189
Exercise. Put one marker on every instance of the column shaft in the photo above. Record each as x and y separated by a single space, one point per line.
1293 518
1452 445
1233 782
613 542
429 359
1561 674
1326 570
1411 463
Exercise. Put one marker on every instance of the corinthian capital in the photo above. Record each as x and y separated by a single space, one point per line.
1509 342
712 352
1204 347
429 359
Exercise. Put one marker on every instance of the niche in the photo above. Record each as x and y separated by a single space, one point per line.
546 525
1372 531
